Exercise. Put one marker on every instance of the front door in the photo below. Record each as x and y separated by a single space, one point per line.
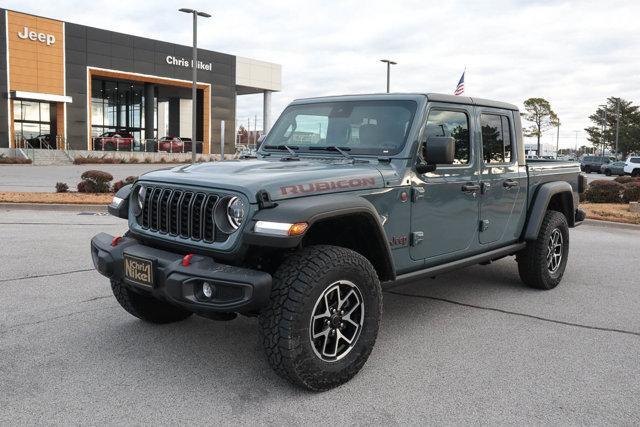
444 213
503 182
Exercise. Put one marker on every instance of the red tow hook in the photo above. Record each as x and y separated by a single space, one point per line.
186 261
116 240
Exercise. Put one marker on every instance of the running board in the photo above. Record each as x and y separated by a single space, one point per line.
454 265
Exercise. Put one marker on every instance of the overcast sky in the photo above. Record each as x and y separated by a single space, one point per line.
574 54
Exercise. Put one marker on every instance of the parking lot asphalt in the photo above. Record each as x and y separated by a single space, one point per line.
29 178
472 346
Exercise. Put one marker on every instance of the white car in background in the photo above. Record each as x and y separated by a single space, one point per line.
632 166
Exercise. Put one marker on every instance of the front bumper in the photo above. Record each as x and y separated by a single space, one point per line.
236 289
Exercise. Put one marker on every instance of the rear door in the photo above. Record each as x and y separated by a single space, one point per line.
444 212
503 182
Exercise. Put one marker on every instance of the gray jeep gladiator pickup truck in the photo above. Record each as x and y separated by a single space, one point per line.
346 195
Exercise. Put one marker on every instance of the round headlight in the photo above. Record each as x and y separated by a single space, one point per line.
235 212
142 193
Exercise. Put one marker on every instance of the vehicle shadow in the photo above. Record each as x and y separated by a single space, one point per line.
228 355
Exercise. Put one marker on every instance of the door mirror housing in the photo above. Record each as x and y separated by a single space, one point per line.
436 150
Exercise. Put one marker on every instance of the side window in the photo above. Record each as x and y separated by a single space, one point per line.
454 124
497 146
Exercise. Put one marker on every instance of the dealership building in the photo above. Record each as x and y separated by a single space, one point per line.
74 83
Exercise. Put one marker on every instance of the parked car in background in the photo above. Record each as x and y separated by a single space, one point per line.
174 144
110 141
613 168
42 141
632 166
590 164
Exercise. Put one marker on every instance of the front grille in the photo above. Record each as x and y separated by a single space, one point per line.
183 213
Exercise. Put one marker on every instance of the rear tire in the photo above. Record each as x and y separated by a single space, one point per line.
607 172
322 320
542 263
146 307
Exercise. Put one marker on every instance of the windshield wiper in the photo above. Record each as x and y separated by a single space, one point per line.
340 150
289 148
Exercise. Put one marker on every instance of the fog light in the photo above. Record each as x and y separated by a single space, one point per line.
207 290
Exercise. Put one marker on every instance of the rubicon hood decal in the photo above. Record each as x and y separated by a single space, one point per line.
319 187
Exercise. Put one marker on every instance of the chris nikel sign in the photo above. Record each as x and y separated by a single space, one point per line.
186 63
28 34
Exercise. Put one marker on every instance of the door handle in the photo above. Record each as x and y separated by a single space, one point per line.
471 188
510 183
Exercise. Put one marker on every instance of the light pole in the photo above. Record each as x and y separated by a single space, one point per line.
389 64
604 125
617 124
194 86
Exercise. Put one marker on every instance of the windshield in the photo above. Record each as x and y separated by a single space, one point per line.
359 127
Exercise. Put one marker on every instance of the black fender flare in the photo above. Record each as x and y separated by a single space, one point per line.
312 210
540 204
121 210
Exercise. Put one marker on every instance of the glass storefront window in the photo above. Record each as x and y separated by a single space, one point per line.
32 121
117 106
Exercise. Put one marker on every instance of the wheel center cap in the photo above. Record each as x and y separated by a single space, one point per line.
335 320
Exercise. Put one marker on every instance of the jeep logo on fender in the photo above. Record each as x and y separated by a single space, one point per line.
317 187
48 39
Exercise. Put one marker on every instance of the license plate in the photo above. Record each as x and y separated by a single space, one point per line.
138 270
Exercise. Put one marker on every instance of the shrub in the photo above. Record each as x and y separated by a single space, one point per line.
626 179
61 187
95 181
122 182
11 160
87 186
96 175
603 191
631 192
82 160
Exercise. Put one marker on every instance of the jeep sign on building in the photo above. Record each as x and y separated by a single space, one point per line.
74 83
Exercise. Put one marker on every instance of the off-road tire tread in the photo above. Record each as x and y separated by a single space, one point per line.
532 266
292 284
147 308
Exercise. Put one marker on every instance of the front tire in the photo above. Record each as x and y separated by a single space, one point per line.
146 307
542 263
607 172
322 320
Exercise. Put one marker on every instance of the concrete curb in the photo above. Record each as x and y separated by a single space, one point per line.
611 224
52 207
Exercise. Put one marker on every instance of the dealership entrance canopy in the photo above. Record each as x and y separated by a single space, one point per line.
72 83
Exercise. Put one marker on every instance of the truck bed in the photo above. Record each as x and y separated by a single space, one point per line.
541 171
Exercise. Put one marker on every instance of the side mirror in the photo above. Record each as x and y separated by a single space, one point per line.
261 138
436 150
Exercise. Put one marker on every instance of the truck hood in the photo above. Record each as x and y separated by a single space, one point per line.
282 179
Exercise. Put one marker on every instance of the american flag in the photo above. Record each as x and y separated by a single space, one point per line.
460 88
